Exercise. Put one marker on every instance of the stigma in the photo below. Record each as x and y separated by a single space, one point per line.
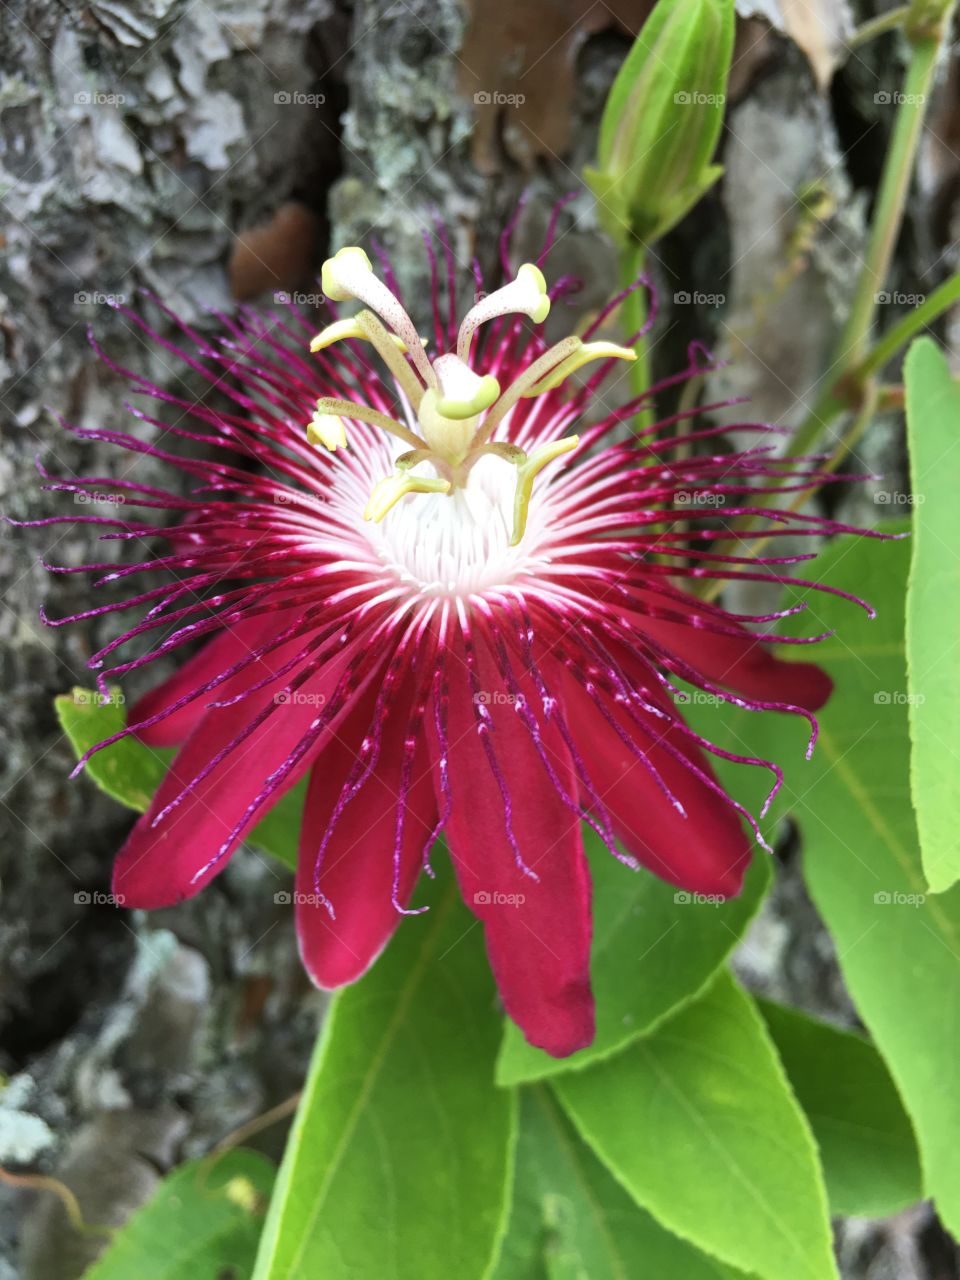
458 408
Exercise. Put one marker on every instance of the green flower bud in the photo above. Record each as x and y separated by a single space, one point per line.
663 118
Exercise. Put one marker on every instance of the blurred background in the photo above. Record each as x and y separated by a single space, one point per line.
215 151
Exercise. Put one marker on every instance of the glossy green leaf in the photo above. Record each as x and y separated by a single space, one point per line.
202 1223
572 1220
866 1141
399 1162
697 1121
898 945
933 608
127 771
130 772
654 948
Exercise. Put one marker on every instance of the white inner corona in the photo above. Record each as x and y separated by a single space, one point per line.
457 544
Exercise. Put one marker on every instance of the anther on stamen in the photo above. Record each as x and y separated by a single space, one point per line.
526 295
388 492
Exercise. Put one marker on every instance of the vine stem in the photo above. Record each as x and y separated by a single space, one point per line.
633 263
846 390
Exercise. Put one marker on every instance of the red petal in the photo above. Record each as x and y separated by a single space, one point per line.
537 931
217 655
705 852
357 870
156 866
741 663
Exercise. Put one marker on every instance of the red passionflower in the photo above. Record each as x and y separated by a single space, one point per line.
453 614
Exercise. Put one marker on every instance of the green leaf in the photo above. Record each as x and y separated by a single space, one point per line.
698 1123
131 772
399 1162
899 947
572 1220
933 608
654 948
866 1141
127 771
202 1223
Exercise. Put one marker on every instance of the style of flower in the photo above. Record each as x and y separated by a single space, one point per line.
454 591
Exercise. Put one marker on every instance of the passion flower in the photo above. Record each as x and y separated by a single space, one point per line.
445 581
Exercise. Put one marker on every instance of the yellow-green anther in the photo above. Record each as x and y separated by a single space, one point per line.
484 395
662 120
341 329
587 352
527 472
348 274
327 429
361 413
391 489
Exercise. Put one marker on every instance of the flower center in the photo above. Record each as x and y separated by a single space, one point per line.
456 543
458 409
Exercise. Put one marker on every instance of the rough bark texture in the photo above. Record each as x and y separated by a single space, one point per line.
139 138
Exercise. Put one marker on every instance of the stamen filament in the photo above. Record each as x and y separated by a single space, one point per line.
375 332
361 413
391 489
